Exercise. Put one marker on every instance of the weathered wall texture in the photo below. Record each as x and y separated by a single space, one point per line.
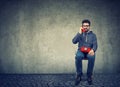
36 35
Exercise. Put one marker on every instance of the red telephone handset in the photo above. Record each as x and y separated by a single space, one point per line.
83 30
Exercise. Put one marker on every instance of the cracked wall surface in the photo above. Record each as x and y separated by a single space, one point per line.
36 35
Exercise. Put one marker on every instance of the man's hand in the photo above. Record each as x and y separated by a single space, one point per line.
80 31
91 52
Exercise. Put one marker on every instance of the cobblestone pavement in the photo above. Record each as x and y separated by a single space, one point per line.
57 80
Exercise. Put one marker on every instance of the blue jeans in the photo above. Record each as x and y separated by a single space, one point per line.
78 62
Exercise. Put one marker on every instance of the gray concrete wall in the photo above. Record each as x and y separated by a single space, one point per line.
36 35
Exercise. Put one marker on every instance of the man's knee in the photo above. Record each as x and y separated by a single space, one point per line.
79 55
92 57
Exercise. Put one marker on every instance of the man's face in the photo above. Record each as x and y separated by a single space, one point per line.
86 26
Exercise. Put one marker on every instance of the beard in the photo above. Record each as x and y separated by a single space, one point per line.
86 29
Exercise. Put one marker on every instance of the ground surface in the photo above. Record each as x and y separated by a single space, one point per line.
57 80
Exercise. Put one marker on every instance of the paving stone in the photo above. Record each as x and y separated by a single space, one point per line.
57 80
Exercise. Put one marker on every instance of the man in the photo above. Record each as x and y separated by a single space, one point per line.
87 46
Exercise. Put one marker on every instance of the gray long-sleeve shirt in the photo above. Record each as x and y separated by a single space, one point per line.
86 39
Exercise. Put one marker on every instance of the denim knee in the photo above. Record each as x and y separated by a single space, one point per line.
90 57
79 55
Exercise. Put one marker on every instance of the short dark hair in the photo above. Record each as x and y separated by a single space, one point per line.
86 21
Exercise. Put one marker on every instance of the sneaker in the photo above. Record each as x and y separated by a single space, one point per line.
77 80
90 81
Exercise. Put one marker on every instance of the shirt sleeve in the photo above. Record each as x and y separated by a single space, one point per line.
95 44
76 38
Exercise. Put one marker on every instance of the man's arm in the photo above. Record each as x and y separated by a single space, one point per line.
76 38
95 44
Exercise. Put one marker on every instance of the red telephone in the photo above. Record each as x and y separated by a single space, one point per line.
85 49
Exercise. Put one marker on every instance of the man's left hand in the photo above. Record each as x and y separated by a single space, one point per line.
91 52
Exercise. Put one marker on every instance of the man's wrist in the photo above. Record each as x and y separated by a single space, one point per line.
93 49
79 32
